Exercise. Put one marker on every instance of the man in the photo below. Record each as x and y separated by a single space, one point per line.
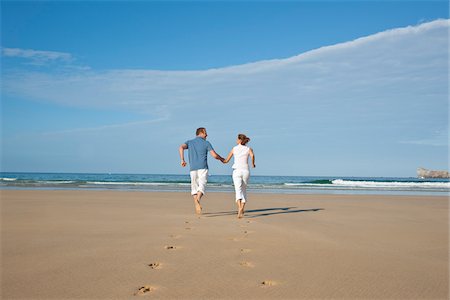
198 149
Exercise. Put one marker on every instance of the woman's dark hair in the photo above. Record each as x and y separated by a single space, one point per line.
243 138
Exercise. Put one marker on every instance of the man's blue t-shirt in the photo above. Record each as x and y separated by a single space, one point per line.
198 153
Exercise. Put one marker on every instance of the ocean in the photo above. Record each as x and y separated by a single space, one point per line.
223 183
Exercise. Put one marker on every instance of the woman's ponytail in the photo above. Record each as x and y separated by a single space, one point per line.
243 138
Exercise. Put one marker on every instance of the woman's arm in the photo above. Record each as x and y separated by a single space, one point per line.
230 155
252 155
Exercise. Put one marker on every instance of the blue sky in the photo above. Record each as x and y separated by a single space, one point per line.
355 88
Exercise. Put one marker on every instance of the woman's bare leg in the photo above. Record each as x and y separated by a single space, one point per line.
242 209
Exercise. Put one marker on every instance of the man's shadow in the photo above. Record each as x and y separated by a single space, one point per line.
263 212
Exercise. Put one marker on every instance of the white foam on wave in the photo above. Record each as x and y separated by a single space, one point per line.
306 184
56 181
394 184
135 183
8 179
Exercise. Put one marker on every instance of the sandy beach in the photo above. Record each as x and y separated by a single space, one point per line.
127 245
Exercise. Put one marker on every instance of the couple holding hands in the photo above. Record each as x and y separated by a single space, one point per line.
198 149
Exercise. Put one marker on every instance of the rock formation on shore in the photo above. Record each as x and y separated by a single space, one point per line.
424 173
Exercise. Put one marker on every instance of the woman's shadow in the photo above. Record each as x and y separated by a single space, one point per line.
263 212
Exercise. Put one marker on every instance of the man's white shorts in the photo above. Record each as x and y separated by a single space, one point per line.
199 178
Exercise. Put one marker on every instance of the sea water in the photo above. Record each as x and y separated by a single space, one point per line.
224 183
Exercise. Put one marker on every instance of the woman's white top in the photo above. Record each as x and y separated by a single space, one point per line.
240 153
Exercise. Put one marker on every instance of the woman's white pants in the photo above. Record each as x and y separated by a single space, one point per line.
240 180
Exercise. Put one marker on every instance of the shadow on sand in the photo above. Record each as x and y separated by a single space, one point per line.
263 212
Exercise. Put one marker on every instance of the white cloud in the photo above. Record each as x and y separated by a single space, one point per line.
394 77
104 127
406 51
338 109
437 138
36 56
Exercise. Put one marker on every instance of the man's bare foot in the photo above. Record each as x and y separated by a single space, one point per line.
198 208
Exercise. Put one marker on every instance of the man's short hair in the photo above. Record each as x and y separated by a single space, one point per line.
200 130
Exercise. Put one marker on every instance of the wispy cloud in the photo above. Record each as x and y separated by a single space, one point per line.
438 138
105 127
395 77
347 102
400 56
37 57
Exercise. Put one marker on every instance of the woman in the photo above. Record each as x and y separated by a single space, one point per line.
241 172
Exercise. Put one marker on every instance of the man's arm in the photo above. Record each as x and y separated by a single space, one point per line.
216 156
181 150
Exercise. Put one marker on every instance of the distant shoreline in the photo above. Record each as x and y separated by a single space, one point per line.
223 183
231 190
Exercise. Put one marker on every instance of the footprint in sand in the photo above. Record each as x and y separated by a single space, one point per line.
144 290
245 250
188 228
170 247
155 265
268 283
246 264
235 239
175 236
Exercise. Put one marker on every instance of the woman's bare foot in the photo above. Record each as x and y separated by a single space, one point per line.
241 210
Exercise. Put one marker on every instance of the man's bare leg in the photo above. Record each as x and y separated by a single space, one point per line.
198 207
